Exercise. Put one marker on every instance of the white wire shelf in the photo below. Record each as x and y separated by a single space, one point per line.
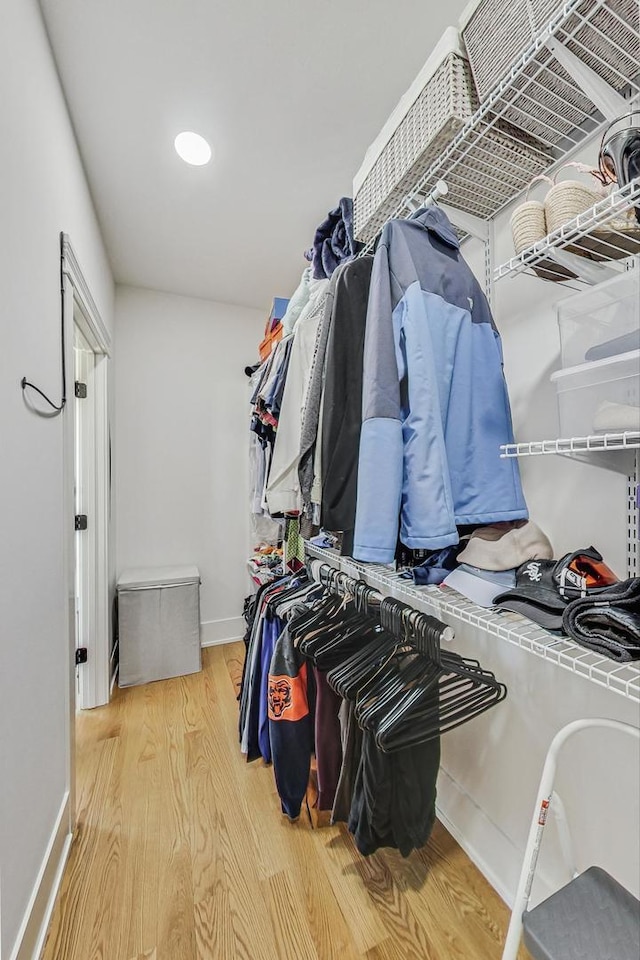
630 440
521 106
448 604
550 93
608 231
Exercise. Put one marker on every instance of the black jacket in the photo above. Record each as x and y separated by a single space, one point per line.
394 797
342 416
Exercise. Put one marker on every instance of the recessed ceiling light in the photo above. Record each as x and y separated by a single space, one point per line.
193 148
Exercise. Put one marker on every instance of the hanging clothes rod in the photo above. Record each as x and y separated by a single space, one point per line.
397 616
413 201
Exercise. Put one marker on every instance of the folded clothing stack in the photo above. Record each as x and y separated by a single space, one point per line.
609 622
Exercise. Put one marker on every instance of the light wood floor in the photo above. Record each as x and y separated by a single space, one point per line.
181 852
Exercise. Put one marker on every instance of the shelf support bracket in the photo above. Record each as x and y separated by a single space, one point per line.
605 98
587 270
633 514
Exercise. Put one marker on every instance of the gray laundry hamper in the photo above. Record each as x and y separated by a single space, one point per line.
158 624
591 918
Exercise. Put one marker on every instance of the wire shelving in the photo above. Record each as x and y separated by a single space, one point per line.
607 231
630 440
521 99
448 605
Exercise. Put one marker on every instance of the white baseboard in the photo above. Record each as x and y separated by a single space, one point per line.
486 846
213 632
33 929
492 851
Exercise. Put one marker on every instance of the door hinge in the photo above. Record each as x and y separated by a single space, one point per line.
81 655
81 521
80 390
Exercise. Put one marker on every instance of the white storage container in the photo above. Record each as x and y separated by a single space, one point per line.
602 322
599 397
158 624
425 121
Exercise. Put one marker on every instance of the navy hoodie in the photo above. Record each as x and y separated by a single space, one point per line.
290 723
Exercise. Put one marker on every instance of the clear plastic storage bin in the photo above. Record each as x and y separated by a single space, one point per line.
599 397
602 322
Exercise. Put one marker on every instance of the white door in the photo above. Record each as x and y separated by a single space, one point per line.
84 503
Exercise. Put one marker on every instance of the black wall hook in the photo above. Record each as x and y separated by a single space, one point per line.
26 384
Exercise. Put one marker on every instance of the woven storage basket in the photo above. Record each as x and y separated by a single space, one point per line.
529 221
569 198
613 240
528 226
423 125
603 33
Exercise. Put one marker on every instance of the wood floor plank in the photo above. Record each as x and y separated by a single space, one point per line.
478 916
394 909
387 950
309 877
147 955
249 910
366 926
214 929
182 852
77 905
206 825
253 783
291 932
176 924
142 804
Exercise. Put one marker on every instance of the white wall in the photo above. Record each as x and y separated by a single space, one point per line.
182 412
43 191
491 767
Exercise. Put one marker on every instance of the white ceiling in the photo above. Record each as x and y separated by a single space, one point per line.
288 92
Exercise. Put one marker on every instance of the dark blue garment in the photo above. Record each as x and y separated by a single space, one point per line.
290 723
253 685
436 567
253 706
273 627
333 241
273 400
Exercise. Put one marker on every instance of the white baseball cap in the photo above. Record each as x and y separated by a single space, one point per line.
495 548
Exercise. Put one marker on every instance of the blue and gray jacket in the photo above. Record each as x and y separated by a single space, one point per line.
435 404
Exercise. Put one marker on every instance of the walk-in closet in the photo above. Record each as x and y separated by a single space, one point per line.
321 480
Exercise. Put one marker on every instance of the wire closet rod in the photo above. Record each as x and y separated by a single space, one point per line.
413 202
343 580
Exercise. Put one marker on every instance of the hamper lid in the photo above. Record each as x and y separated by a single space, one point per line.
448 43
140 577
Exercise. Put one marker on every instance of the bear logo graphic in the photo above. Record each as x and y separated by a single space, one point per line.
279 696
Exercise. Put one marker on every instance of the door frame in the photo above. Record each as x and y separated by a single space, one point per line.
80 309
